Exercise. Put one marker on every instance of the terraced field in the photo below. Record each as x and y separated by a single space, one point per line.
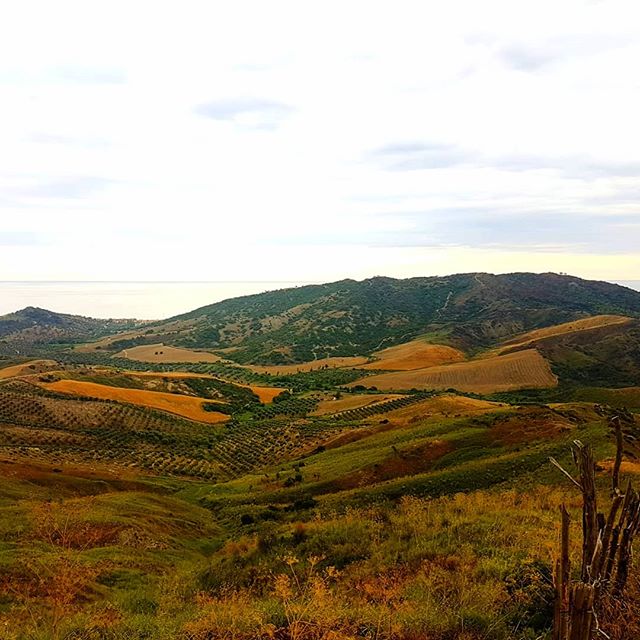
523 369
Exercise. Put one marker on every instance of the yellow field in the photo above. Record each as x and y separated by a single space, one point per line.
351 402
186 406
164 354
27 368
330 363
585 324
416 354
523 369
266 394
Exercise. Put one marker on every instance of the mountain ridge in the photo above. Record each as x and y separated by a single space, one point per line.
470 311
350 317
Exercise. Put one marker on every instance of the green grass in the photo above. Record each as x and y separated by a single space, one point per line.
467 533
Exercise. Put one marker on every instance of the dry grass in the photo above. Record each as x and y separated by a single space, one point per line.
585 324
416 354
164 354
185 406
628 466
523 369
266 394
355 401
314 365
27 368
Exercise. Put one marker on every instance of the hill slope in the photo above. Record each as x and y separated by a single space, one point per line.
350 318
603 355
24 329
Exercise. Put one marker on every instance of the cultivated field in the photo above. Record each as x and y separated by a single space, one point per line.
444 405
266 394
523 369
586 324
416 354
161 353
185 406
313 365
354 401
27 368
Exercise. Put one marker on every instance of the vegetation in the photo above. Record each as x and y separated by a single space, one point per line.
321 508
26 331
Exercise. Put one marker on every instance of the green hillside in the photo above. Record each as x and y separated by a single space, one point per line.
607 356
31 328
347 318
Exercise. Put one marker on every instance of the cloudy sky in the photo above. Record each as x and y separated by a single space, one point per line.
313 141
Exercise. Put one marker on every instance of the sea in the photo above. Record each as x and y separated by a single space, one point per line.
141 300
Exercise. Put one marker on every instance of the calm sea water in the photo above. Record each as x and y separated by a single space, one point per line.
144 300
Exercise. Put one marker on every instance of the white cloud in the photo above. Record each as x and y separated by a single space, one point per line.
287 140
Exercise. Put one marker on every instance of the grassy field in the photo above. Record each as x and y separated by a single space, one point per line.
628 397
523 369
442 526
307 511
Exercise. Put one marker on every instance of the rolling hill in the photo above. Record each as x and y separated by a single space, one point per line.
350 318
151 487
27 330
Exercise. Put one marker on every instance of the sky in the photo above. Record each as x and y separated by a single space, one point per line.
315 141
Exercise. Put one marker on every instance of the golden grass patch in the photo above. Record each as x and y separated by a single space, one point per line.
627 466
523 369
266 394
185 406
165 354
416 354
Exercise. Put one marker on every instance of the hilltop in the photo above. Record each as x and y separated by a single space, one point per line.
32 326
355 318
